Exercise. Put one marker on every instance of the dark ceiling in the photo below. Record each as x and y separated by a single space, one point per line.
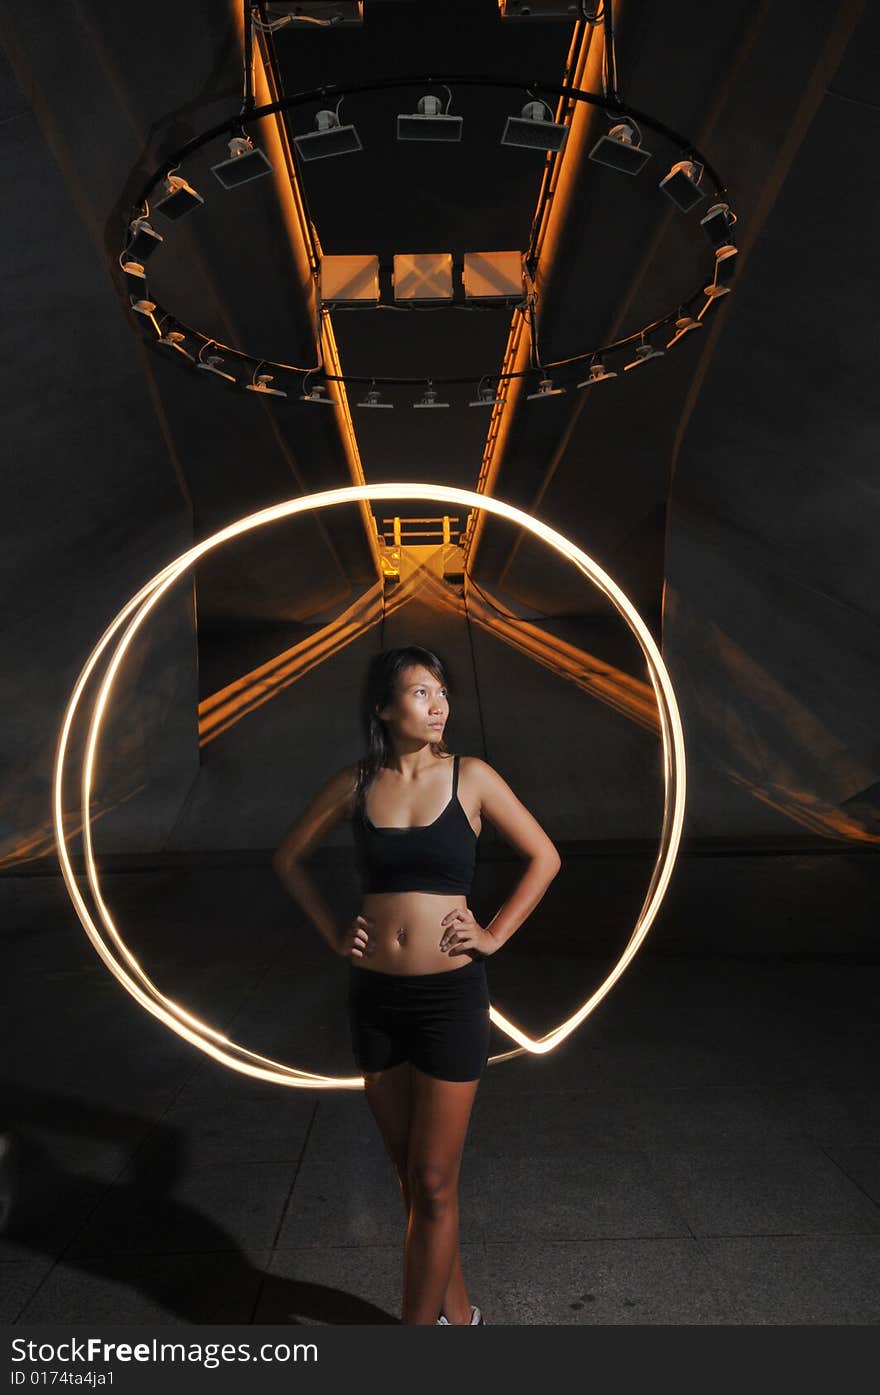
743 81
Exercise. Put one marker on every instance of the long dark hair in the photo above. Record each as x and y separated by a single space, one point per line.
380 685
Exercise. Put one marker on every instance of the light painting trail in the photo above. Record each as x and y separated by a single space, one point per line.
119 959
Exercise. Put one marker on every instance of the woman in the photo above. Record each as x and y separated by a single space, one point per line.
418 995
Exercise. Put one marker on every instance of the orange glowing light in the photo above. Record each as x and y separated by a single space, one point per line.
114 952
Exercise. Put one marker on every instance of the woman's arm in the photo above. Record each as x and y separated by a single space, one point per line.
513 820
332 803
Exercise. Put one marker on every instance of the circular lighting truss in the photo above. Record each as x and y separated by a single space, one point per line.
105 935
688 160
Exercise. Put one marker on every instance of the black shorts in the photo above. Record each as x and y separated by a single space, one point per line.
440 1021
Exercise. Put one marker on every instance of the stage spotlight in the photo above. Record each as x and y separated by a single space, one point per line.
180 198
725 263
644 352
598 373
717 224
144 240
429 399
329 139
683 325
316 394
682 185
545 389
422 276
211 363
486 398
173 339
493 276
372 400
535 129
136 282
261 384
349 280
621 149
428 122
567 10
321 13
246 162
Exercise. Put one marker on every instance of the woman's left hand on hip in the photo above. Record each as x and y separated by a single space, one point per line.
462 934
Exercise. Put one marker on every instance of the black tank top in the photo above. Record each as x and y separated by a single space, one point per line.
438 856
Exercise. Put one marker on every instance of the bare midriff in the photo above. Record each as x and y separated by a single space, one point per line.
406 935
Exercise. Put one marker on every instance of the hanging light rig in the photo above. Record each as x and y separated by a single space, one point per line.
487 396
214 363
373 398
622 150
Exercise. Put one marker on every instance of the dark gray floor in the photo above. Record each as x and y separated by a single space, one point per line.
706 1149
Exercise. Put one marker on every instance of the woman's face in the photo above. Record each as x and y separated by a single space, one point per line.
420 708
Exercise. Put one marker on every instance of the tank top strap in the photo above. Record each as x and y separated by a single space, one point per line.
454 776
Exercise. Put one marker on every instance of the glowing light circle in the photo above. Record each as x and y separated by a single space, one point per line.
119 959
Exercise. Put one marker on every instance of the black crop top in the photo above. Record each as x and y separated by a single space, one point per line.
438 856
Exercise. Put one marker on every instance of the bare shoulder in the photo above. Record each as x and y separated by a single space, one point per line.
479 774
472 768
482 779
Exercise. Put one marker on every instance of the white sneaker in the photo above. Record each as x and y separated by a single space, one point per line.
476 1319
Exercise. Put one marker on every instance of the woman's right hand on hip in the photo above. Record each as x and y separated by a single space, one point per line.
355 940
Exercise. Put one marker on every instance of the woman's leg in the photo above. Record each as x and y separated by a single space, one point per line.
440 1114
389 1096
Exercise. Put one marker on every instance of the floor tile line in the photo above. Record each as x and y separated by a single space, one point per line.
284 1210
840 1167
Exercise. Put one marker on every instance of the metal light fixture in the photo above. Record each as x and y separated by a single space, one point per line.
535 129
261 384
180 198
725 262
717 224
683 325
644 352
329 139
246 162
486 397
173 339
422 276
428 122
716 289
682 184
372 400
545 389
143 241
598 373
429 398
136 282
211 363
621 149
493 276
349 280
321 13
566 10
317 394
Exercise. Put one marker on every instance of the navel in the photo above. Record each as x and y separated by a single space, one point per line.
401 935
